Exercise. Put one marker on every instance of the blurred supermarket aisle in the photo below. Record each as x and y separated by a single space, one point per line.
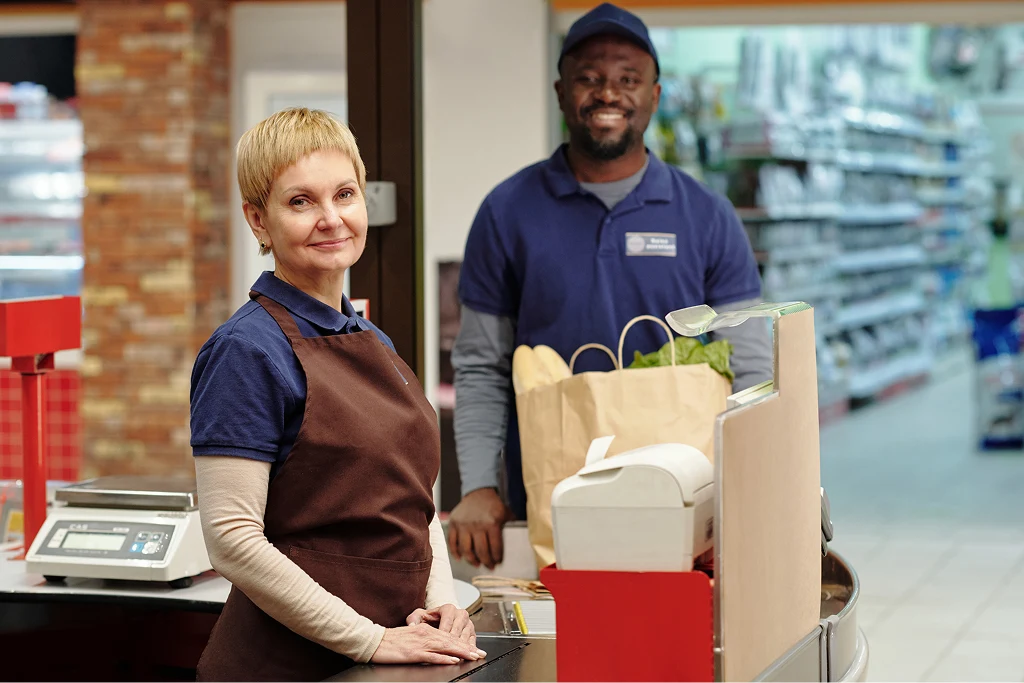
935 531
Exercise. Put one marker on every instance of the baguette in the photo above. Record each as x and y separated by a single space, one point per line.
528 372
557 368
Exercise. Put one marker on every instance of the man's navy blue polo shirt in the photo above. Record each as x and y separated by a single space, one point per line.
248 389
549 254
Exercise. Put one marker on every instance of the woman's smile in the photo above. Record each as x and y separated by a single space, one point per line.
332 245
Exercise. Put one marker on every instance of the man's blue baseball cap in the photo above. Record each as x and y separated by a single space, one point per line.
606 19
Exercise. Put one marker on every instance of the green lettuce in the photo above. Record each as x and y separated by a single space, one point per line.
689 351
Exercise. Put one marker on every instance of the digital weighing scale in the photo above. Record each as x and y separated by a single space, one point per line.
129 528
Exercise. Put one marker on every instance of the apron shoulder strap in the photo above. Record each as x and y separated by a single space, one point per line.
280 314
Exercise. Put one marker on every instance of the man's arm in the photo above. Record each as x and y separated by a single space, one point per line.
752 347
731 282
482 359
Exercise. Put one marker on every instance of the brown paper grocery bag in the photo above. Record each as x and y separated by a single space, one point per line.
640 407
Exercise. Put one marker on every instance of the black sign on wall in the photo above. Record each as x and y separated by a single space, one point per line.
47 60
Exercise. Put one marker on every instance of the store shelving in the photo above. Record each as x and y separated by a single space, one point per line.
946 255
872 380
15 211
955 223
50 141
942 196
806 292
868 212
780 153
791 212
869 260
806 252
863 161
897 163
49 263
865 313
883 275
939 169
880 214
881 122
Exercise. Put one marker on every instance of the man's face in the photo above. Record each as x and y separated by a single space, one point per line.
607 93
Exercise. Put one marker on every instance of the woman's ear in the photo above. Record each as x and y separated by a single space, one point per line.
255 221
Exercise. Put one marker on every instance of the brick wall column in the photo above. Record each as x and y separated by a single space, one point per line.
153 84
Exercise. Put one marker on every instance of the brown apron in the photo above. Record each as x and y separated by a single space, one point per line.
350 505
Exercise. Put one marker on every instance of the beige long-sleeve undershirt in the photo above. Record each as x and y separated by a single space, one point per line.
232 501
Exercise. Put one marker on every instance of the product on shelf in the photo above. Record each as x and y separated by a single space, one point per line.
26 101
999 388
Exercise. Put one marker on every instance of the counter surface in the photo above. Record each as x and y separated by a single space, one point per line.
208 592
508 659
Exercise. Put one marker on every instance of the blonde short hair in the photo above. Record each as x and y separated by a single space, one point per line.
279 141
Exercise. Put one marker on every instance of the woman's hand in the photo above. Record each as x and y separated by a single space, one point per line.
423 644
447 619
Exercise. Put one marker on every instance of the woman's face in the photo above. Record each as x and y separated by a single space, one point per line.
315 218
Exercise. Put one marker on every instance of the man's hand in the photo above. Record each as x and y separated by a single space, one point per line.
474 528
448 619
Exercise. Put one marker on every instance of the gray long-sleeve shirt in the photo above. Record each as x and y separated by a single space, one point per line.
482 359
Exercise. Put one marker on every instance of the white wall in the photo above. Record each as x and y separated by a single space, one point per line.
486 114
487 78
42 24
280 36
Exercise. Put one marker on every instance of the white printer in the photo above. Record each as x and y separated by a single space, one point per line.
650 509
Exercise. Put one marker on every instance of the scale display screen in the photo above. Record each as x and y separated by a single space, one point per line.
93 541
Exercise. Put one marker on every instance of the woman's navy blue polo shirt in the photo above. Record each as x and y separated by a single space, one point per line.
248 391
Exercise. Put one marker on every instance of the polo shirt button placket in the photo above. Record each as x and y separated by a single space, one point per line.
605 245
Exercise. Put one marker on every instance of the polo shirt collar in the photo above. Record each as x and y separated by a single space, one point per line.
655 186
303 305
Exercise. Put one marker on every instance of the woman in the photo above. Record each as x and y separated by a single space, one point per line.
316 449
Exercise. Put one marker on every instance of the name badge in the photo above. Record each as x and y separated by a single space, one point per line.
650 244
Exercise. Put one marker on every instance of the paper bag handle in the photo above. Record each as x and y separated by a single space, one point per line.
622 337
572 361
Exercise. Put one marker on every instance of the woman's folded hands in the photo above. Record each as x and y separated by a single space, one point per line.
443 635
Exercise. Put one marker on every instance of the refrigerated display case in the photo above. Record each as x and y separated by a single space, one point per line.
41 190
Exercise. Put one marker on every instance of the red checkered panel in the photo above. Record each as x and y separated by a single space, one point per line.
63 425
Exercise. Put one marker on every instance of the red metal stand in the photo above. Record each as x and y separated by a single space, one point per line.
31 332
33 439
632 626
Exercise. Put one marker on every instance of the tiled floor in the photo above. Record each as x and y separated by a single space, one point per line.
935 530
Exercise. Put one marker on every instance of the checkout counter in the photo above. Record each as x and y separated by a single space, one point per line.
41 615
782 610
835 651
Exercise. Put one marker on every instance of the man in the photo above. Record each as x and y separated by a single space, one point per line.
568 250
